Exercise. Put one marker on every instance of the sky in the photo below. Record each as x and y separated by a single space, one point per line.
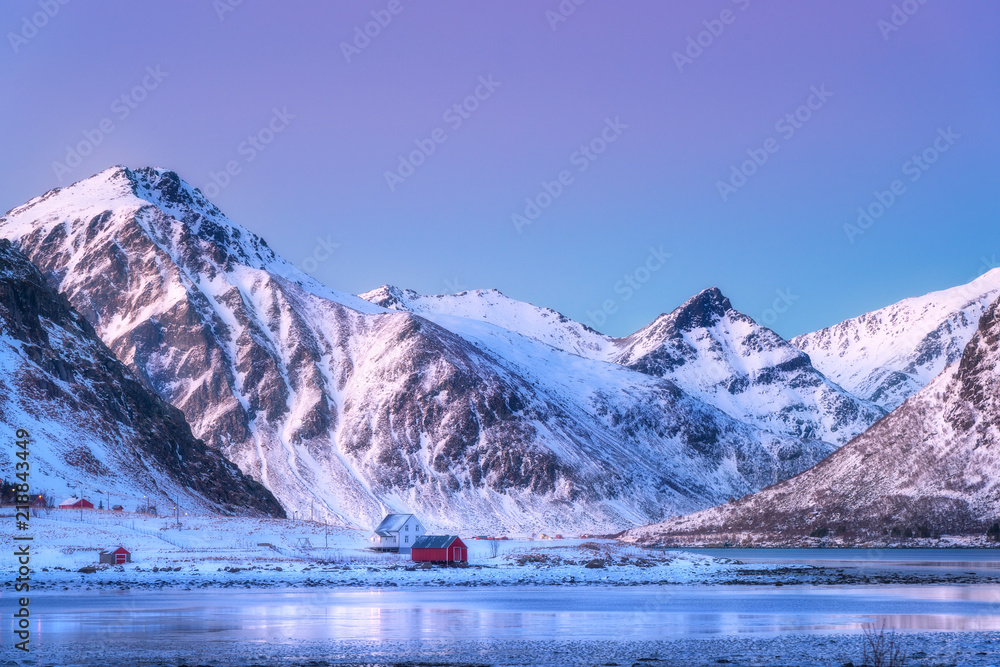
609 160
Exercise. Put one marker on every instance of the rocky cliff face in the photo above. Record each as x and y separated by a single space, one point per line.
345 409
929 467
94 424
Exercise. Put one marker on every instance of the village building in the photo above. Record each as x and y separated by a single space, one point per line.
116 556
440 549
75 503
396 533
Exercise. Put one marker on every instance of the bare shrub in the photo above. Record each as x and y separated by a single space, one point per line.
494 548
882 648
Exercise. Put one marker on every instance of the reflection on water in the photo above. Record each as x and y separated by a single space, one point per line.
641 613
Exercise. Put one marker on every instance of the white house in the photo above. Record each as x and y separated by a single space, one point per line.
397 532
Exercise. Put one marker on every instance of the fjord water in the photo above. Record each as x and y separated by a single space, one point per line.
503 614
275 626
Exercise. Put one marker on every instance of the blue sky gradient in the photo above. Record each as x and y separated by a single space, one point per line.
896 74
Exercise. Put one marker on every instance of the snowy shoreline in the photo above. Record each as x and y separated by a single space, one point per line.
803 650
221 552
254 577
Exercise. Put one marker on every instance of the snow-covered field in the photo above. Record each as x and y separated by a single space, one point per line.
210 551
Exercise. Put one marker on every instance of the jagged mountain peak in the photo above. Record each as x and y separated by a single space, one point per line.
701 311
390 297
725 358
118 207
172 209
929 467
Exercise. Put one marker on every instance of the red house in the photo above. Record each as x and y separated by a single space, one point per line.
115 556
440 549
75 503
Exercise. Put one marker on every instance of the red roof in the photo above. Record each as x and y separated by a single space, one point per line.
117 550
439 548
76 503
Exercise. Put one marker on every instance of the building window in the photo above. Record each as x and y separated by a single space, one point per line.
407 528
407 538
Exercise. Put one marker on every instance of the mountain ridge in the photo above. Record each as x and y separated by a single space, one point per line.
927 469
347 409
473 408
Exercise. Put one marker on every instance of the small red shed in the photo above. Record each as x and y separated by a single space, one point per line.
116 556
440 549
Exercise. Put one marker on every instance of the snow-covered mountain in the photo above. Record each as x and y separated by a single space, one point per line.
932 466
95 429
888 355
723 357
706 347
344 408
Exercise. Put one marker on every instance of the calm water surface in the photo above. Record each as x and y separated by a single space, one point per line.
538 613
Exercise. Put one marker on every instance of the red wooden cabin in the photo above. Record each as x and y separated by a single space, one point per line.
440 549
75 503
115 556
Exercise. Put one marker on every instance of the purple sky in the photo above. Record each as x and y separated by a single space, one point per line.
778 239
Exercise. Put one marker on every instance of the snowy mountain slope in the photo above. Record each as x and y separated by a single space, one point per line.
542 324
888 355
707 348
345 409
92 423
932 466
